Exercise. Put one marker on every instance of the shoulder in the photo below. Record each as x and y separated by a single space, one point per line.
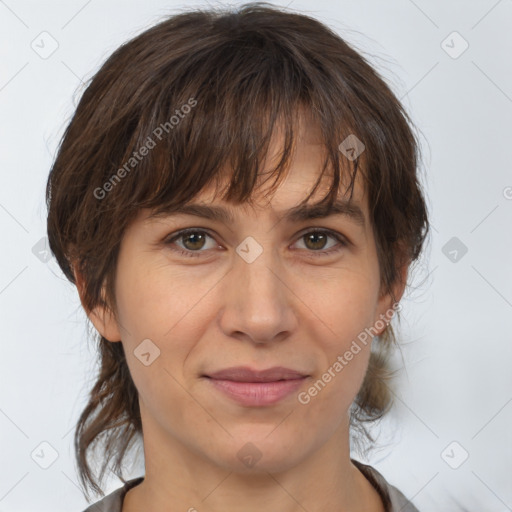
113 502
393 499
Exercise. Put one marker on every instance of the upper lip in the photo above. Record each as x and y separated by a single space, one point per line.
246 374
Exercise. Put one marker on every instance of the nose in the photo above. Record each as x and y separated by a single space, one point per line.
257 303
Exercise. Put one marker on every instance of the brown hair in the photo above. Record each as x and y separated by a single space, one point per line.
198 90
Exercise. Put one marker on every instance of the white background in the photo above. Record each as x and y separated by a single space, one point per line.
456 341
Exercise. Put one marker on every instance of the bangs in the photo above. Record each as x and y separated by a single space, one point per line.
210 117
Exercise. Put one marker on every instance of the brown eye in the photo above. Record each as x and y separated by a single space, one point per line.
315 242
192 241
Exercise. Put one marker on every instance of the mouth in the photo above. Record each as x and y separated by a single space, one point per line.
256 388
246 374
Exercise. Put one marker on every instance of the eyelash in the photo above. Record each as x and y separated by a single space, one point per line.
194 254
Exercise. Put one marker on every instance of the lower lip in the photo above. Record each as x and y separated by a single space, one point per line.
257 393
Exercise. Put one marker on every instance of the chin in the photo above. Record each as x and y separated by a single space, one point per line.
254 454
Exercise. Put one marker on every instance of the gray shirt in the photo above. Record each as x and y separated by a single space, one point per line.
393 499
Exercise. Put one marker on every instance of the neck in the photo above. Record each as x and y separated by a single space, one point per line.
177 478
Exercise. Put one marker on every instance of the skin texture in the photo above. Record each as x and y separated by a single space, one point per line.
290 307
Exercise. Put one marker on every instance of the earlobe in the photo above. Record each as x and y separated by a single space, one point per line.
101 316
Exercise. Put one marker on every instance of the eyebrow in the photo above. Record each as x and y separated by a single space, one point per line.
340 207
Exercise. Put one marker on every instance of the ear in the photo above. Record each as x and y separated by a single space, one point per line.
386 305
101 316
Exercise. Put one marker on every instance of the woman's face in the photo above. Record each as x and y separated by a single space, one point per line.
254 292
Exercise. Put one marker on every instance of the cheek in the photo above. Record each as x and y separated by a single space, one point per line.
164 307
340 380
164 397
343 310
344 305
153 300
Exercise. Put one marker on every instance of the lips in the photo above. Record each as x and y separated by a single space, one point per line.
256 388
246 374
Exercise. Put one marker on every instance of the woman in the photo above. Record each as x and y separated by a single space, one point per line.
243 323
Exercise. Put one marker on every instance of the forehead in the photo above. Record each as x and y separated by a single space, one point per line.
295 185
288 197
285 204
